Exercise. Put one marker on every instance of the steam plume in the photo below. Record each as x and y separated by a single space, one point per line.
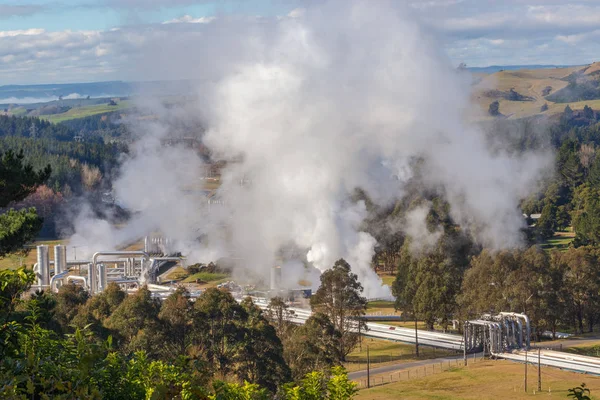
314 107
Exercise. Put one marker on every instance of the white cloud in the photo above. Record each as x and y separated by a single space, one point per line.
510 32
24 32
297 13
188 19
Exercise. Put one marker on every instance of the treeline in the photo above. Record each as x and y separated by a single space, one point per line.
32 127
119 346
108 126
66 158
570 197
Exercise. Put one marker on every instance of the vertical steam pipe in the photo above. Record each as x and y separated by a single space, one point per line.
91 279
101 277
60 259
43 261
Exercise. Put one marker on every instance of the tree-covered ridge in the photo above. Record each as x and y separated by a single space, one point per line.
66 158
108 126
32 127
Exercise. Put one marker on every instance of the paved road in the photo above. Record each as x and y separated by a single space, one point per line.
407 365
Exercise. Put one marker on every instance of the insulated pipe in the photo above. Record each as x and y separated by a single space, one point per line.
57 278
520 329
91 279
60 259
101 277
93 288
77 278
527 325
43 261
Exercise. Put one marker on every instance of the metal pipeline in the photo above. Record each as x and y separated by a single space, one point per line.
527 325
43 261
77 278
93 273
57 278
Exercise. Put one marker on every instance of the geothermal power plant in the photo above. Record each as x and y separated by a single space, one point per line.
128 269
504 335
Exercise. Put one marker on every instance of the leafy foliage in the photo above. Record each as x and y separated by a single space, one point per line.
339 297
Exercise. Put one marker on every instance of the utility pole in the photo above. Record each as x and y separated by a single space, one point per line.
525 370
539 371
416 337
368 369
465 342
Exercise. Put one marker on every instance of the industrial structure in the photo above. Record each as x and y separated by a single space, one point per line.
128 269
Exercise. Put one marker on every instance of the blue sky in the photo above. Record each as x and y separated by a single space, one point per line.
90 40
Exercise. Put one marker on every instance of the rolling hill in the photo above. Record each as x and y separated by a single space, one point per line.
523 92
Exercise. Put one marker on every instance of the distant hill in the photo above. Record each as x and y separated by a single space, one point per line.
35 94
524 91
496 68
28 94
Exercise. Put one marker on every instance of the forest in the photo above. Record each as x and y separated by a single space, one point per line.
119 346
559 288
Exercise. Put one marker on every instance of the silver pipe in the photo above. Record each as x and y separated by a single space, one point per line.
60 259
113 253
527 325
101 277
43 261
78 278
91 279
57 278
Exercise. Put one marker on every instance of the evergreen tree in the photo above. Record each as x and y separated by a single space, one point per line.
546 224
339 297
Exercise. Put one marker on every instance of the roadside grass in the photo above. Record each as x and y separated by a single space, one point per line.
484 380
592 349
384 352
86 111
381 305
16 260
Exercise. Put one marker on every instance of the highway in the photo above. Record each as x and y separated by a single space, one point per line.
558 359
562 360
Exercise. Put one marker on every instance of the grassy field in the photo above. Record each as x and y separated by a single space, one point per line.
560 241
387 279
383 352
528 83
206 277
17 260
484 380
86 111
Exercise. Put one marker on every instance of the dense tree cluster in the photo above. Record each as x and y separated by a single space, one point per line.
17 181
118 346
108 126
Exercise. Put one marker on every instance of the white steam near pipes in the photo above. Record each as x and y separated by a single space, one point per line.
312 106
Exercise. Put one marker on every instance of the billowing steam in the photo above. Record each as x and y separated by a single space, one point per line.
342 96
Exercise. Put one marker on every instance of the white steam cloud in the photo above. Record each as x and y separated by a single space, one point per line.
314 107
